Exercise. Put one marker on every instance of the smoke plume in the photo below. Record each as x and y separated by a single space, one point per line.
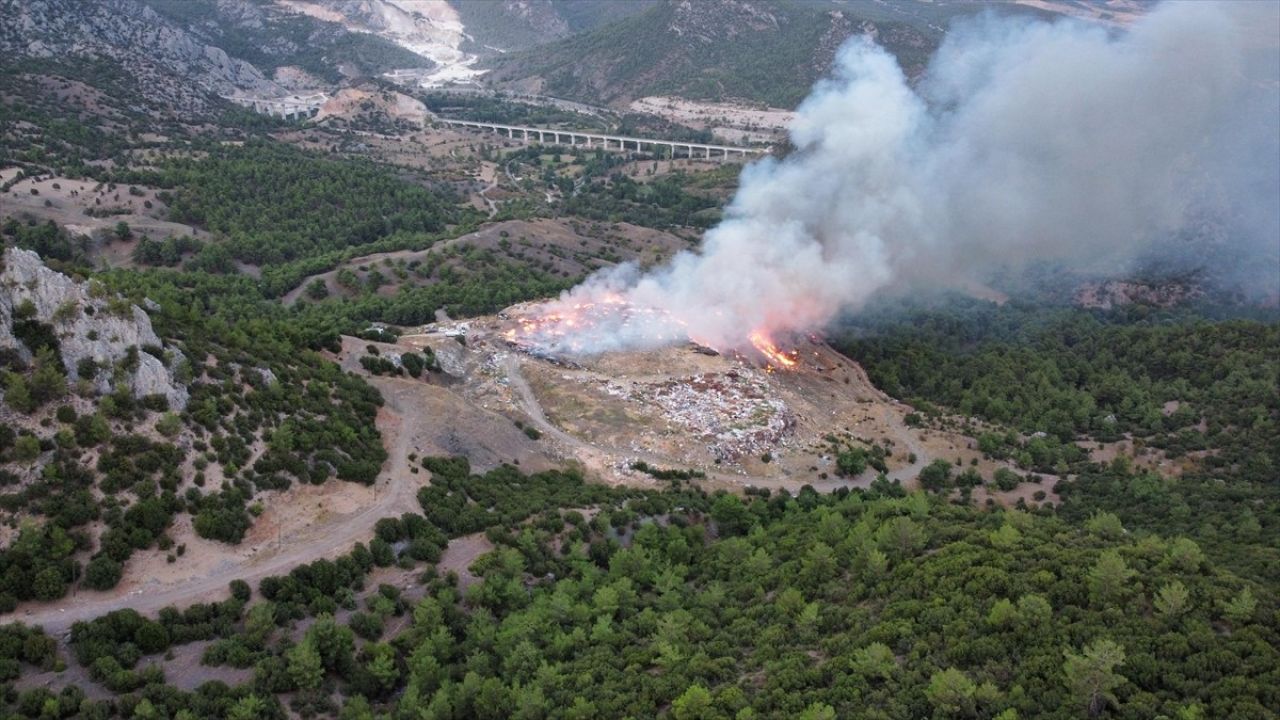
1023 141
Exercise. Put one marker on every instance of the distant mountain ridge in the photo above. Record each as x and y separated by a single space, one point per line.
762 51
176 55
496 27
154 51
768 51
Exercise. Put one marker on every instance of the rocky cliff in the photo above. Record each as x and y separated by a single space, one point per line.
90 324
177 56
172 64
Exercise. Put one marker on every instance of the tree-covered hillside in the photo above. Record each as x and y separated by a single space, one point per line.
768 52
1197 399
684 605
496 27
268 36
273 204
263 411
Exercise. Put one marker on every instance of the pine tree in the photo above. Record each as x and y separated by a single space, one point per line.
1091 675
1109 577
305 668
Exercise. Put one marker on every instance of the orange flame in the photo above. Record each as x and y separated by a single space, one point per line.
570 327
771 352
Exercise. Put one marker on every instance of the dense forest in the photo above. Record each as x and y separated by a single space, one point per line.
616 603
1193 390
313 205
1072 373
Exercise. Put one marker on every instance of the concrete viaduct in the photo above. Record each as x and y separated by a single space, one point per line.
607 142
298 107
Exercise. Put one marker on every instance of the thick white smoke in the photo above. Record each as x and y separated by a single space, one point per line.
1024 141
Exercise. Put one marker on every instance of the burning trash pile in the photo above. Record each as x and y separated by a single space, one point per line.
560 328
775 358
563 329
734 412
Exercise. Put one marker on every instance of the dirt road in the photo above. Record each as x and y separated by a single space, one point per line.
396 493
410 422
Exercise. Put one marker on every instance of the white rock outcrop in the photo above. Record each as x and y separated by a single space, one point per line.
102 328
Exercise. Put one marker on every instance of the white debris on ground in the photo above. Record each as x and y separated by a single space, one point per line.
735 412
452 328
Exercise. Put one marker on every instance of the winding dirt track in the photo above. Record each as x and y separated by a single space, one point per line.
396 493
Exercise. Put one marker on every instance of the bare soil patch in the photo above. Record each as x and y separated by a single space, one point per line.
87 207
736 122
